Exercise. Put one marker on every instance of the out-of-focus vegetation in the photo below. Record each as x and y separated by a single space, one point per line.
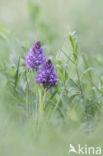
73 111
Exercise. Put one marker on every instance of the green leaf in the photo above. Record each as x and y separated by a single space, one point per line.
17 72
74 47
73 83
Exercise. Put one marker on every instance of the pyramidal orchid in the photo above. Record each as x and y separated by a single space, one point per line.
35 57
47 75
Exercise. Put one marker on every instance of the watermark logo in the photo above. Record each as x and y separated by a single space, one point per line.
85 150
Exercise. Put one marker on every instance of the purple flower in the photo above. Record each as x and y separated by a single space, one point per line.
47 75
35 56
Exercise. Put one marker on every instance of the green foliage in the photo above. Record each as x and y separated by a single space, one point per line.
74 47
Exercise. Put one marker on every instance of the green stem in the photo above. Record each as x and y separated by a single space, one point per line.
56 106
36 108
80 86
27 92
42 102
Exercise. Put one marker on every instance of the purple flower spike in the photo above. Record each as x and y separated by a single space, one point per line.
38 45
35 56
47 75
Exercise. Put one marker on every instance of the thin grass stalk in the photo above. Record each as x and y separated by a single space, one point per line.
79 83
56 106
27 93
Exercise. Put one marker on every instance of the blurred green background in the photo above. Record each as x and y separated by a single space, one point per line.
50 21
39 19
